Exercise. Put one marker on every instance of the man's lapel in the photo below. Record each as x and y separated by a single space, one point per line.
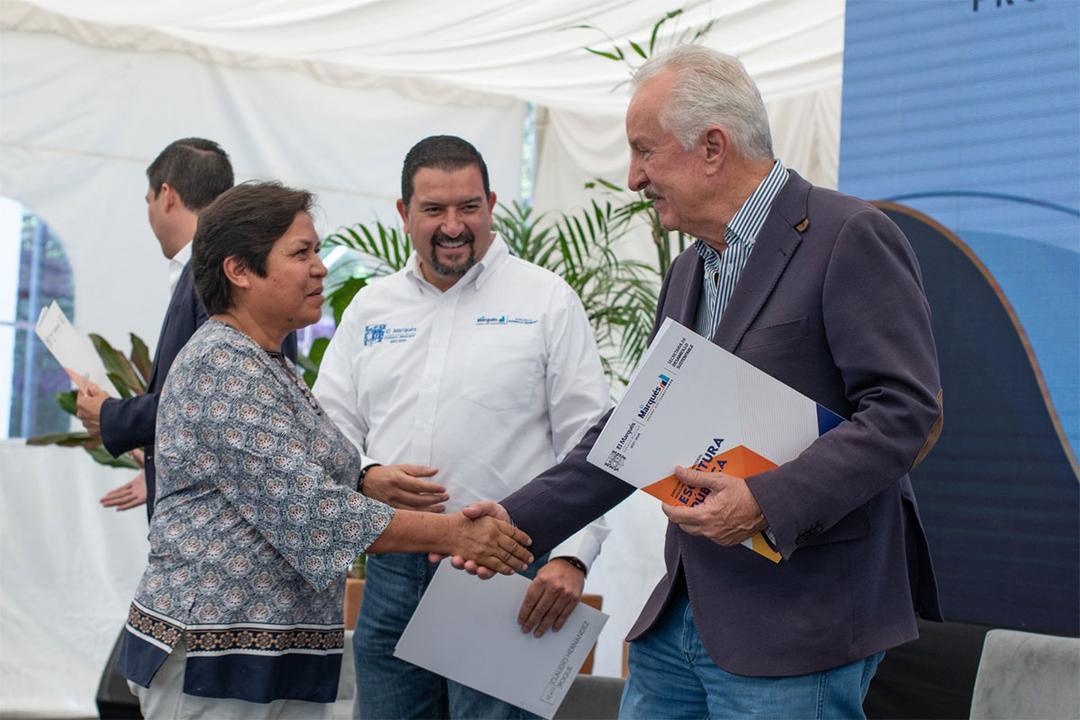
691 293
780 235
182 285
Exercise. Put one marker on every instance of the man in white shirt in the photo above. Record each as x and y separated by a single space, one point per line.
465 374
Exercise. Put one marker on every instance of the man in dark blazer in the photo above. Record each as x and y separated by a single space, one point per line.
823 292
184 178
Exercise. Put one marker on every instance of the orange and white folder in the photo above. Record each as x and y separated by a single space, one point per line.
692 403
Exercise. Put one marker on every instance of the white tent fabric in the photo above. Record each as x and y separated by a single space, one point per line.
327 95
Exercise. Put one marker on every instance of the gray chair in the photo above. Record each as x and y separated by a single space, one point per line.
1025 675
592 697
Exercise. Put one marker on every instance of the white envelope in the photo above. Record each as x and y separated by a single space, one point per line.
71 349
466 629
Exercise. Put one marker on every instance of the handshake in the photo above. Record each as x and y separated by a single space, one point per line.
484 542
485 514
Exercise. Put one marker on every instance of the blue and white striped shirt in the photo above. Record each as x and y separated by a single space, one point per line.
722 270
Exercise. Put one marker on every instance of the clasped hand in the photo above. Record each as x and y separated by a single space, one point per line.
487 542
728 515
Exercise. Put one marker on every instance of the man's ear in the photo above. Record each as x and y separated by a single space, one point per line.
715 145
237 272
403 211
491 202
170 197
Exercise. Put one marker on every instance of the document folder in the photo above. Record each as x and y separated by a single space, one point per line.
692 403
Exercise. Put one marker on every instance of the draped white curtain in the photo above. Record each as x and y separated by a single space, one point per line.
326 95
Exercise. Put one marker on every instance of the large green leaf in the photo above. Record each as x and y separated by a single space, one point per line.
65 439
118 367
67 401
311 363
102 456
121 385
140 359
340 297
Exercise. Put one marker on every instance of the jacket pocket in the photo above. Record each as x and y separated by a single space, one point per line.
788 331
854 525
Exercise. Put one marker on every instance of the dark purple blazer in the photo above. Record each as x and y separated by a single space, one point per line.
831 303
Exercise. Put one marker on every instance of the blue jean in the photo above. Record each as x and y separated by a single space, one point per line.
672 676
387 687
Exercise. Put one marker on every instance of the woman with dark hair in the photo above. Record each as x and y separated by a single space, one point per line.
239 612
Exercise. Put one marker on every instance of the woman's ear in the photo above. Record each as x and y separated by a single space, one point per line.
236 272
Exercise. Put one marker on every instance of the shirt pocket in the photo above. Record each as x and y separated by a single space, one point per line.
502 373
784 332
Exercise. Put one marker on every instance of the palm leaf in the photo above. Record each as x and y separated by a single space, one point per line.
616 56
387 247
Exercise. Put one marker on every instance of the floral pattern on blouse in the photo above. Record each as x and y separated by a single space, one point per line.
256 518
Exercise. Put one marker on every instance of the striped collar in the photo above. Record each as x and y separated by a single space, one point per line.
746 224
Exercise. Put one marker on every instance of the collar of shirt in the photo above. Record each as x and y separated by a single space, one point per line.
477 275
746 224
176 266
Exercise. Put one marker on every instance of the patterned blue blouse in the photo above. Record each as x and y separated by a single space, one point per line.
255 523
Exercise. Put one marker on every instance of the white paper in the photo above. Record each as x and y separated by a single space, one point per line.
466 629
694 404
72 350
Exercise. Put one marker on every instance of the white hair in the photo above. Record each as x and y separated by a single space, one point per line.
710 88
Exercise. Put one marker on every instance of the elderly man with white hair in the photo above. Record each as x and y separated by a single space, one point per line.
823 292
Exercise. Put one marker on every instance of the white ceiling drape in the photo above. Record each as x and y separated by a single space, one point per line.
528 51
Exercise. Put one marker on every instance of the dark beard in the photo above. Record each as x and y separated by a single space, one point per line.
453 270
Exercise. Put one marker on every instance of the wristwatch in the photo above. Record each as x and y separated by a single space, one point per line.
575 562
363 474
770 539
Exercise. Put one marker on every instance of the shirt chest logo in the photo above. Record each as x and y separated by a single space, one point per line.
378 333
504 320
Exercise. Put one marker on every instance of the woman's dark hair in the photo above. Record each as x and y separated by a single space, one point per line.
244 223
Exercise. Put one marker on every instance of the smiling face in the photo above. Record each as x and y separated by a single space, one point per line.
290 294
660 166
448 219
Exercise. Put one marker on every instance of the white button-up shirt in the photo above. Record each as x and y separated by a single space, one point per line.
491 382
176 266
